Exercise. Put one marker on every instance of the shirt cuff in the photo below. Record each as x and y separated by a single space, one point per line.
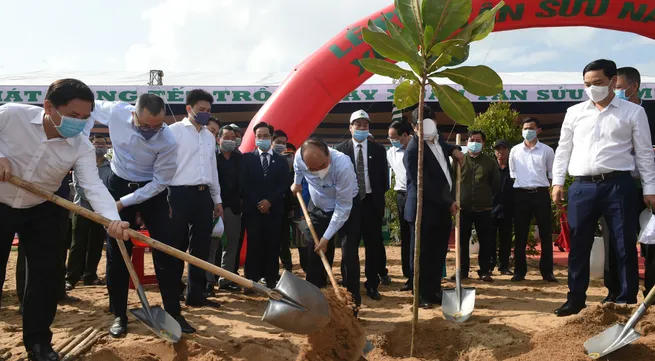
112 215
558 180
329 232
128 200
649 189
298 179
217 199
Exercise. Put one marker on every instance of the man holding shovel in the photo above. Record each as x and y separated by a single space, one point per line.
41 145
334 199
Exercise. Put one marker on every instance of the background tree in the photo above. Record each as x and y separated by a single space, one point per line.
500 121
434 34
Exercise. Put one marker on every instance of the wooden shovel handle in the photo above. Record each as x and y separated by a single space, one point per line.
326 264
458 192
95 217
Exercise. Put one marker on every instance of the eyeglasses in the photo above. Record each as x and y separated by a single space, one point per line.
147 128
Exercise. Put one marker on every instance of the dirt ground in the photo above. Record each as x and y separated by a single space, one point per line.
513 322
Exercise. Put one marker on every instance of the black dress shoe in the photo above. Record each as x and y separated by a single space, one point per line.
230 287
461 276
69 286
66 298
42 352
550 278
184 325
506 272
425 303
569 309
385 280
203 303
373 294
209 291
486 278
518 278
118 328
406 287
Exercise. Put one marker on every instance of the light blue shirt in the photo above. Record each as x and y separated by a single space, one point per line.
335 192
136 159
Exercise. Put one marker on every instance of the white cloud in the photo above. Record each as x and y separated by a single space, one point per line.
647 68
637 43
569 37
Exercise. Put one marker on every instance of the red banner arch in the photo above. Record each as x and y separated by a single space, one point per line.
327 76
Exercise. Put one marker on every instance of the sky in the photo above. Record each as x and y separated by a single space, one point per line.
255 36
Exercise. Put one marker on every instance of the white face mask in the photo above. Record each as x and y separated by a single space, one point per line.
430 132
597 93
323 172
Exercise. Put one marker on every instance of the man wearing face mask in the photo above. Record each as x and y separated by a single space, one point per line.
503 211
88 236
264 181
480 180
370 162
438 205
194 193
238 133
333 208
143 165
596 140
280 140
399 135
531 167
41 145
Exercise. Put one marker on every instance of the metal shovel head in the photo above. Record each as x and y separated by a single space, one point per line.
609 341
303 309
159 322
458 308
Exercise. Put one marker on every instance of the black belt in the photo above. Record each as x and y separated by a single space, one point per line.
199 187
602 177
533 190
401 192
130 184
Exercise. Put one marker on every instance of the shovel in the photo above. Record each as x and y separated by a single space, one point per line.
294 305
618 335
458 303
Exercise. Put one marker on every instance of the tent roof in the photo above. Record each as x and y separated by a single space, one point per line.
111 78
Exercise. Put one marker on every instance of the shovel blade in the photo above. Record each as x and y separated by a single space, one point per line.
304 310
609 341
458 309
159 322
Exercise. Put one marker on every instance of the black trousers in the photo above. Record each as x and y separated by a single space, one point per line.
263 248
86 250
528 204
191 222
483 228
405 233
435 234
649 276
285 243
156 217
502 231
316 273
369 223
42 250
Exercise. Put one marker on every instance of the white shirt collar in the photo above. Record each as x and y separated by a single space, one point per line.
364 143
269 151
536 146
38 120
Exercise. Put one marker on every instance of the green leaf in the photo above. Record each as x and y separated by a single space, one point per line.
455 47
371 26
481 26
409 12
406 94
391 48
384 68
479 80
459 59
445 16
427 38
437 62
456 106
400 35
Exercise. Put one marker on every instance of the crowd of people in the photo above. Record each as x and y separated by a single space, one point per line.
178 181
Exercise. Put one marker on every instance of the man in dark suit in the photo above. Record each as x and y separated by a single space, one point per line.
370 162
264 181
438 205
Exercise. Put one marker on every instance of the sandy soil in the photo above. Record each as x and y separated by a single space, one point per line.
511 322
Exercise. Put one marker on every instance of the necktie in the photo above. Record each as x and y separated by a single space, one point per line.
265 163
361 178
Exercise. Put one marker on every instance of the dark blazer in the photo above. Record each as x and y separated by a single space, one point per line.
437 195
255 187
378 168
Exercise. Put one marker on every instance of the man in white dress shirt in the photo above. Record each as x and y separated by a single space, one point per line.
41 145
400 133
596 140
195 194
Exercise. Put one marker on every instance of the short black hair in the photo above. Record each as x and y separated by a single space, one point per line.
531 120
280 134
316 142
631 74
262 125
197 95
427 114
477 131
62 91
291 146
401 127
607 66
226 128
97 136
215 120
153 102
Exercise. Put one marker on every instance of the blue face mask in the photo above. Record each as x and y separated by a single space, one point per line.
201 118
263 144
474 147
529 134
396 144
279 148
360 135
69 127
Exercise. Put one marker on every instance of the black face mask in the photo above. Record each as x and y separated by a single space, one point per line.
148 133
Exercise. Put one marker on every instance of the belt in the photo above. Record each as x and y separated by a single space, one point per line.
602 177
533 190
199 187
130 184
401 192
